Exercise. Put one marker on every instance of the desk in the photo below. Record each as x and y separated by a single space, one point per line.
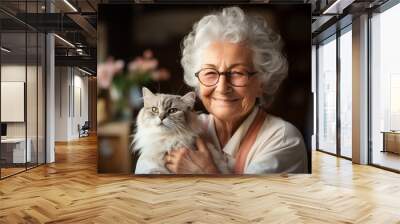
16 147
391 141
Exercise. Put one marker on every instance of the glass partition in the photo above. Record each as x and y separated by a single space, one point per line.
327 95
32 88
31 97
14 153
41 87
22 77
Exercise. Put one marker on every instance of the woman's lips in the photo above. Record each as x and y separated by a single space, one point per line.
225 99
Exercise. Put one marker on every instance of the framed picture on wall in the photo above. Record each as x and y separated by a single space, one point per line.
12 101
215 89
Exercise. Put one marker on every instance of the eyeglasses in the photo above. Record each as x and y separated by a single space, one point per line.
210 77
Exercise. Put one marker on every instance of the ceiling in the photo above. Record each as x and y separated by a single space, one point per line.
76 22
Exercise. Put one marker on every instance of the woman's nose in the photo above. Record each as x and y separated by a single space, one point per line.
223 84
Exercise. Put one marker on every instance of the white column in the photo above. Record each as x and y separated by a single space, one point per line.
50 108
314 92
360 90
50 92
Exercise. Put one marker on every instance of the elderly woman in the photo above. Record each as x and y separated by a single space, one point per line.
235 63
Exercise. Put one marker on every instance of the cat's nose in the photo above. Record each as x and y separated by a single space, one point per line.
162 116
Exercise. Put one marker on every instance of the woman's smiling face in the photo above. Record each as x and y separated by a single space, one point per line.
224 101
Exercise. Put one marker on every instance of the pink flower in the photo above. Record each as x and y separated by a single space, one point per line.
160 75
148 54
106 72
104 75
118 66
135 65
149 64
142 64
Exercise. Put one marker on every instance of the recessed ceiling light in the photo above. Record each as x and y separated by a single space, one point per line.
5 50
84 71
337 7
70 5
64 40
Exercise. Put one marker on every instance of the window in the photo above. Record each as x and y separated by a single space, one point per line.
346 93
385 87
327 95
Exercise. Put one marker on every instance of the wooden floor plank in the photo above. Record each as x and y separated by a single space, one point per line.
71 191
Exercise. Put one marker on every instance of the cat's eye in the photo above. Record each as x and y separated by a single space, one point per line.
172 110
154 109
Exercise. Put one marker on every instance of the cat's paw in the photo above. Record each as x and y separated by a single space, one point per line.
224 169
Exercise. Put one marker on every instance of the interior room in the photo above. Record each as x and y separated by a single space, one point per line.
52 110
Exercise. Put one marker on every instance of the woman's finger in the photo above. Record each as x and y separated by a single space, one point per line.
201 145
170 167
167 158
165 155
179 152
173 153
182 151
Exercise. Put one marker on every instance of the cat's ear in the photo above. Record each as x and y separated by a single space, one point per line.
189 99
147 97
147 93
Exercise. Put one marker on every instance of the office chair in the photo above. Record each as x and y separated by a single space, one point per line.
84 130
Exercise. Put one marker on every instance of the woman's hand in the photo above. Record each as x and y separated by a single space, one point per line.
187 161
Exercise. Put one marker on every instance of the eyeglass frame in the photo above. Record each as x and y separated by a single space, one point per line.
226 73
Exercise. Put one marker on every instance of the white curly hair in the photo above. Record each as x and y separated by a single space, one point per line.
233 25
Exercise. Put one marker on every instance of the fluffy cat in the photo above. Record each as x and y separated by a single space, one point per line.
166 122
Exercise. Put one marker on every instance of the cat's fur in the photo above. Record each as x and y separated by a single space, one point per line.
155 136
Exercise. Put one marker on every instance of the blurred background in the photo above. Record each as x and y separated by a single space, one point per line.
142 47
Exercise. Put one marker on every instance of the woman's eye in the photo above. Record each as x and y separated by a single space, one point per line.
154 109
237 73
210 73
172 110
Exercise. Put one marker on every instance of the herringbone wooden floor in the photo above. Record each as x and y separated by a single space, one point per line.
70 191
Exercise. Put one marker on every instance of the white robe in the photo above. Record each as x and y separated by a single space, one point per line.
279 147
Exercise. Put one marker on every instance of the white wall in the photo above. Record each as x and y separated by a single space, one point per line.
61 103
71 94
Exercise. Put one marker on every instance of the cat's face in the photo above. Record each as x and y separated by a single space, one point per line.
164 111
